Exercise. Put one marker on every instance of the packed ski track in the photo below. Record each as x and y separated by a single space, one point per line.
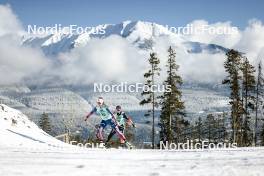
77 161
26 150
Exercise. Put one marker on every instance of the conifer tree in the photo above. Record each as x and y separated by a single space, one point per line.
232 67
262 135
150 95
172 110
199 126
259 94
210 126
248 97
44 123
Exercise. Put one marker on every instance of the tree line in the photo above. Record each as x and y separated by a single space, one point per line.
241 125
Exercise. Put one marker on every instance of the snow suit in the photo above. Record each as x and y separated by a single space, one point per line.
107 119
121 119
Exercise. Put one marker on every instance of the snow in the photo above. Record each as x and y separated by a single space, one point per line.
25 150
204 101
16 130
55 100
237 162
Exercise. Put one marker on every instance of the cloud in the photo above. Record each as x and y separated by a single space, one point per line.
116 59
220 33
16 62
109 59
204 67
249 41
197 67
9 23
252 41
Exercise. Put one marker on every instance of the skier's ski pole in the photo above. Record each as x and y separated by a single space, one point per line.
89 124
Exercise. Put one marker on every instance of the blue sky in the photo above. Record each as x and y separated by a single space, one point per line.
166 12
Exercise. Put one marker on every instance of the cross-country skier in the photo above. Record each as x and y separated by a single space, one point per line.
107 117
121 119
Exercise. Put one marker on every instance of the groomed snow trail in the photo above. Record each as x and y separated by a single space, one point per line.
26 150
80 162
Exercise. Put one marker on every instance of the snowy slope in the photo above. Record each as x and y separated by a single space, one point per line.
17 130
55 100
197 101
11 102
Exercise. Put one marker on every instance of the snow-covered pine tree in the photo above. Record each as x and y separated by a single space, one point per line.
221 126
150 96
209 124
259 95
199 129
172 110
248 96
232 67
44 123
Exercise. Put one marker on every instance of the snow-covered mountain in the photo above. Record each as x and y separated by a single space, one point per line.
139 33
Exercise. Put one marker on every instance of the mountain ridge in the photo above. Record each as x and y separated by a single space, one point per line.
138 33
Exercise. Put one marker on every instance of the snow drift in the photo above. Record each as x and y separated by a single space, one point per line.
16 130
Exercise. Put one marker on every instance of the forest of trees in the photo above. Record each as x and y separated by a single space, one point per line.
243 124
